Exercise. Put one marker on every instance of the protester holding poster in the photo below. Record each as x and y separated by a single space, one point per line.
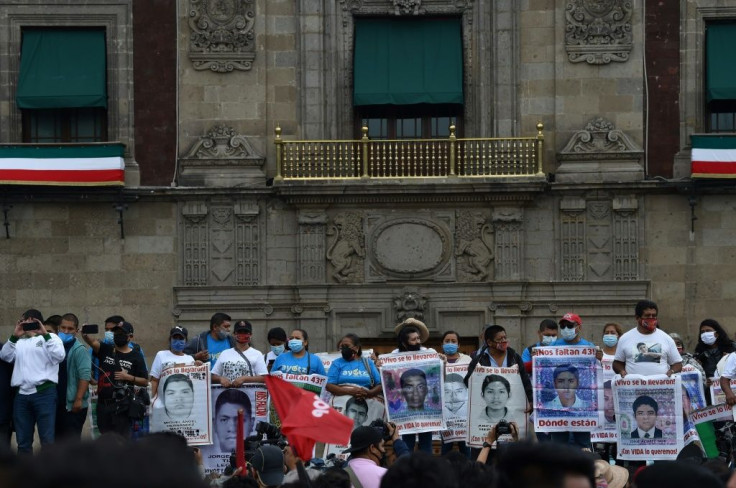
298 360
352 373
173 355
607 432
182 403
242 363
649 417
496 395
455 409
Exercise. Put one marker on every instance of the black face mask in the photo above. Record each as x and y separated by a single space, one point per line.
413 347
347 353
120 339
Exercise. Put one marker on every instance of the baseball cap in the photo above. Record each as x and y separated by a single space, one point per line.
268 460
125 327
571 317
178 330
363 437
243 326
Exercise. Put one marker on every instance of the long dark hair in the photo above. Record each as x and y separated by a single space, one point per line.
404 334
722 340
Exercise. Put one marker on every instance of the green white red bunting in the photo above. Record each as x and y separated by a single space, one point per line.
713 156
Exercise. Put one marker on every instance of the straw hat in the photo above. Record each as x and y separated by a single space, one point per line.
423 331
615 476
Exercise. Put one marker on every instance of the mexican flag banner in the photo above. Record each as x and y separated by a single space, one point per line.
713 156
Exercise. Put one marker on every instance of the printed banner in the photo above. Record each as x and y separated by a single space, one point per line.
567 395
363 411
693 398
716 413
182 403
495 394
607 431
649 417
311 382
455 407
412 386
717 396
253 399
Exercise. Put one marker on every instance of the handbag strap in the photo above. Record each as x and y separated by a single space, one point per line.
353 477
368 370
250 366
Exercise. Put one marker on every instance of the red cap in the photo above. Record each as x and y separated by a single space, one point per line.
571 317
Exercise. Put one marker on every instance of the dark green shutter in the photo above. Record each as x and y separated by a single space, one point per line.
62 69
407 61
721 61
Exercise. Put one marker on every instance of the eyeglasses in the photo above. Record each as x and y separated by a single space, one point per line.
568 325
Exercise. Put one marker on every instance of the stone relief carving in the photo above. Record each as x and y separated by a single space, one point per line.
410 304
346 248
474 246
600 136
413 7
598 31
312 247
223 37
223 142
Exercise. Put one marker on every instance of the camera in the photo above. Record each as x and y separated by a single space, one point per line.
265 434
503 428
121 393
28 326
386 433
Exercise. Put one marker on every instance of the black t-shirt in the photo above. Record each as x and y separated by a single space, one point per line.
112 361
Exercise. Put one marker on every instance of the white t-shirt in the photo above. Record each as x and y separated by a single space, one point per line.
232 366
647 354
729 370
165 358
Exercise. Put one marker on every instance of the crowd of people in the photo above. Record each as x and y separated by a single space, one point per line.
46 373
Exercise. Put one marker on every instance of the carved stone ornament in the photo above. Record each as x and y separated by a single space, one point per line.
404 7
346 247
223 142
474 246
600 136
410 304
598 31
222 38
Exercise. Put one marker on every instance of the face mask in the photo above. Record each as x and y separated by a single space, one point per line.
178 345
610 340
66 338
109 337
120 340
221 335
449 348
413 347
502 346
296 345
568 334
708 338
347 353
242 338
277 350
547 340
649 324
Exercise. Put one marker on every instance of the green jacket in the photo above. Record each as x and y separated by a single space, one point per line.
78 366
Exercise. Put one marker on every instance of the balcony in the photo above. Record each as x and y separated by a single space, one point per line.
363 159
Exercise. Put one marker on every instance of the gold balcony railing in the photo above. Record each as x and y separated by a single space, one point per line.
410 158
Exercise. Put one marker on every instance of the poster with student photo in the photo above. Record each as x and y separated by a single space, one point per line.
717 397
455 403
252 398
607 431
412 387
495 394
649 417
693 398
182 403
568 393
362 411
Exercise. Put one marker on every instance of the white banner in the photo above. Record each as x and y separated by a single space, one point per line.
455 407
607 431
717 397
412 386
182 403
716 413
363 411
649 417
495 394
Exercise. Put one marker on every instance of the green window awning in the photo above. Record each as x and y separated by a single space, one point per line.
720 61
407 61
62 68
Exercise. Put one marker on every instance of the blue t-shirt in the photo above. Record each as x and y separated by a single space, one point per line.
563 342
288 364
342 372
526 356
215 348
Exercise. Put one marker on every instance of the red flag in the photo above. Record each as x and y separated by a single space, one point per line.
305 419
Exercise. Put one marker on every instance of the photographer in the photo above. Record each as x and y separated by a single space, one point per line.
366 465
499 431
121 368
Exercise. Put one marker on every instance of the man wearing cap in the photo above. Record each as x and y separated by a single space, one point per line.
241 363
174 355
121 367
36 354
367 452
570 327
268 463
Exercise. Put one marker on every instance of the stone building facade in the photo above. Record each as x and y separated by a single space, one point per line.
197 88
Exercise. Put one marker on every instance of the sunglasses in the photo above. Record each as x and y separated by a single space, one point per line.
568 325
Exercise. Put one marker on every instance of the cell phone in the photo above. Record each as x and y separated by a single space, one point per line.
90 329
28 326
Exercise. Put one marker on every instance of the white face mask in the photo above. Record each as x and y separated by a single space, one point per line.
547 340
708 338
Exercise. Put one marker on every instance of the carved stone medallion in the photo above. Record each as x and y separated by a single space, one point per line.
223 37
598 31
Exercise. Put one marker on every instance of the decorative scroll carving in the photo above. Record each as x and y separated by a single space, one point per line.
247 244
572 239
600 136
312 247
474 248
223 142
410 304
598 233
195 243
598 31
625 239
346 250
508 243
223 36
413 7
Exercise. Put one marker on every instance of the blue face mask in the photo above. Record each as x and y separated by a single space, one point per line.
178 345
66 338
610 340
449 348
296 345
277 350
568 334
109 337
